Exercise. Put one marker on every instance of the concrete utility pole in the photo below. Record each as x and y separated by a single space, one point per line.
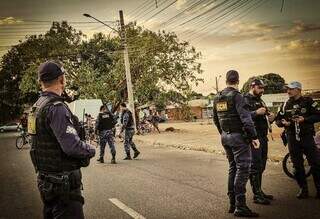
127 67
126 61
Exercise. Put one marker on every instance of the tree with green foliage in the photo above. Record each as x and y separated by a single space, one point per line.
19 65
95 67
274 83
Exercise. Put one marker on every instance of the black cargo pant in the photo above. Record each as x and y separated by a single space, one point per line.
107 136
239 156
61 205
306 146
259 156
128 141
60 208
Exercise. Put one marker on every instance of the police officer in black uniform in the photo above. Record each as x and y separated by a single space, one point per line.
105 124
237 131
57 152
128 129
297 116
262 119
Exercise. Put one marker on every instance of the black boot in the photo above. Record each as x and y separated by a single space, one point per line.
316 179
128 157
258 197
113 160
101 160
244 211
303 192
232 200
267 196
136 154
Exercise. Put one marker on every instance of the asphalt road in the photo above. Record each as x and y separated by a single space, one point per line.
163 183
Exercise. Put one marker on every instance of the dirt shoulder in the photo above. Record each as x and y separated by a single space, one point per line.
202 136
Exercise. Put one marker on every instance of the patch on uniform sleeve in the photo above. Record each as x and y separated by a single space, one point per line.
222 106
314 104
57 103
71 130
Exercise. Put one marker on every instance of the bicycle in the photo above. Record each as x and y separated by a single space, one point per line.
288 168
144 127
22 140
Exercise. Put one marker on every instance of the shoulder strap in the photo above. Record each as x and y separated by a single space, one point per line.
283 107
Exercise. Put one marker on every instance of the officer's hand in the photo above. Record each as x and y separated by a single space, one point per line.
285 122
299 119
261 111
256 143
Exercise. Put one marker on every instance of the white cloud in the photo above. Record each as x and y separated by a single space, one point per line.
180 4
10 20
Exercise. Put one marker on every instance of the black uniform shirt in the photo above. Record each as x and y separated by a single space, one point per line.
305 107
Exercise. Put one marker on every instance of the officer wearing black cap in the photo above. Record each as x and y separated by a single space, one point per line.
261 118
237 130
298 115
57 152
105 124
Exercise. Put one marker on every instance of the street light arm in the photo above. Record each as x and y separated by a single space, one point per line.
88 15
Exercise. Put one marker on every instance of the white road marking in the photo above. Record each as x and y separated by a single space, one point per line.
126 209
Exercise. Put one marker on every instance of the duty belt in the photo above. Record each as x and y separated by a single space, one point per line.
54 178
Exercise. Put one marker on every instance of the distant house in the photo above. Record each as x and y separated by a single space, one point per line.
198 109
174 112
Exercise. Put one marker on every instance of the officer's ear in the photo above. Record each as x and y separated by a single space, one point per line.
62 80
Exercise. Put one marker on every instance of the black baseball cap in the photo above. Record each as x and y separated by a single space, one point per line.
257 82
49 71
232 76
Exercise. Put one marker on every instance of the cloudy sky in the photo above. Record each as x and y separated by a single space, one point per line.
251 36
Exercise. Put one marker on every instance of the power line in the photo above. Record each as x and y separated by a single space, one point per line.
203 7
233 7
204 21
190 8
205 12
160 11
147 11
239 16
47 21
139 8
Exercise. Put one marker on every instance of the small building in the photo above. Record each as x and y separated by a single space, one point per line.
274 101
198 109
88 106
174 112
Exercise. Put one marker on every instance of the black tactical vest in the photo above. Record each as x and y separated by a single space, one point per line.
229 118
106 121
260 121
46 150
